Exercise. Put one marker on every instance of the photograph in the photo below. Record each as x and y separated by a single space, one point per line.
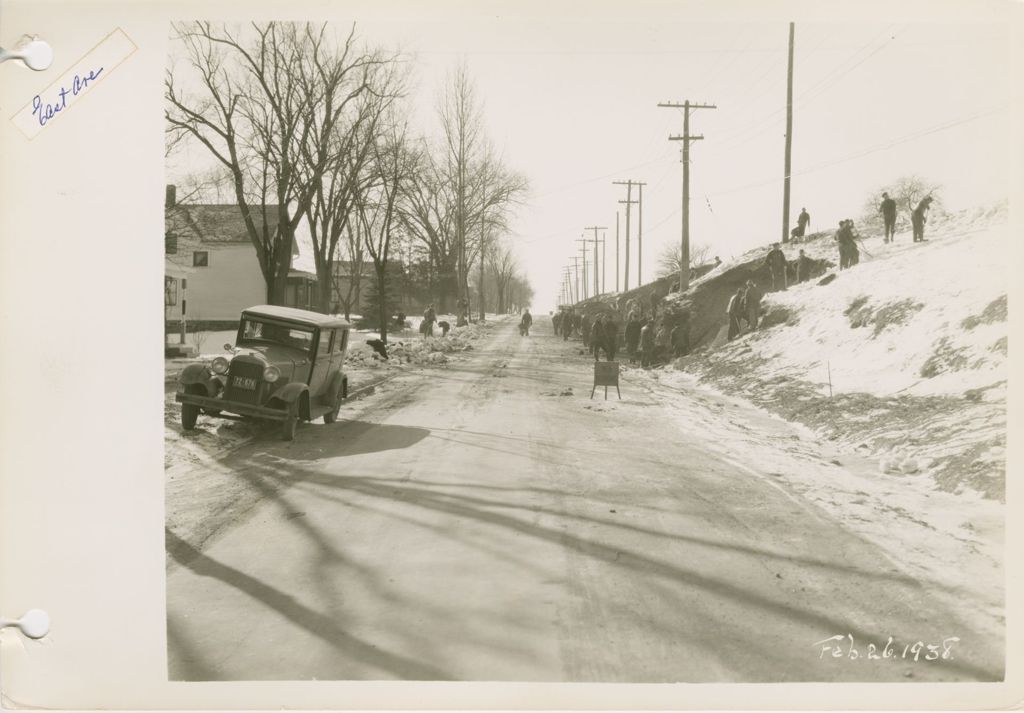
608 348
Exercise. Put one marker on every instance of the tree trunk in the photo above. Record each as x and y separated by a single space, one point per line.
276 291
324 288
382 307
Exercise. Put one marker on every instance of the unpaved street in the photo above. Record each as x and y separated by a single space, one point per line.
489 521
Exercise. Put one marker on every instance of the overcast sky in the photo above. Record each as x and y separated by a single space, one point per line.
571 104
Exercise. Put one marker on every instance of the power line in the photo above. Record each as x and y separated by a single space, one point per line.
871 150
760 126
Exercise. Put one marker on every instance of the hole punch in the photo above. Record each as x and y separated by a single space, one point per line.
35 54
35 623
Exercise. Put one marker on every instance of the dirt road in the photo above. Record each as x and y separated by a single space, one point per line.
489 521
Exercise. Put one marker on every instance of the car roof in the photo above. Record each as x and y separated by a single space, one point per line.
296 315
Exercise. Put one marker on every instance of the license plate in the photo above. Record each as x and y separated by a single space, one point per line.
244 382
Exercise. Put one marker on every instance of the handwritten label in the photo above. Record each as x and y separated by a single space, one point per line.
52 103
844 647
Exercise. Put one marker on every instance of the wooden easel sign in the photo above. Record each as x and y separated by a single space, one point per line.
606 373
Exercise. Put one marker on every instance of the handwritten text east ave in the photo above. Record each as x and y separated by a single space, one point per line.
45 112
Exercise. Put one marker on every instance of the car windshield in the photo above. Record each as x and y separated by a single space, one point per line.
255 331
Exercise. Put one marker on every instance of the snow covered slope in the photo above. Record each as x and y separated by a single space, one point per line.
903 357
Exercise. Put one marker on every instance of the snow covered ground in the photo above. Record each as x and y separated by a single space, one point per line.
952 543
902 358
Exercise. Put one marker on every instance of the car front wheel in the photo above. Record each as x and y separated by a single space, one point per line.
291 419
189 414
332 415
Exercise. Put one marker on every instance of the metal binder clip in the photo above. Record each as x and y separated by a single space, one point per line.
35 624
36 54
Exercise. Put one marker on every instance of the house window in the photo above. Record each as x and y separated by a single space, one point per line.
201 258
170 244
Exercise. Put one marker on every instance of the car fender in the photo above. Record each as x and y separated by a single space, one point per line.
199 375
289 393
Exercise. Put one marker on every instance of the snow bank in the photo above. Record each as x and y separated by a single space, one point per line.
428 351
902 357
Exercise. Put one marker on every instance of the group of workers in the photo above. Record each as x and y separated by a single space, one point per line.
649 340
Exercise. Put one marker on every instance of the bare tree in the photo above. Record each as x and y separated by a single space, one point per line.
268 99
351 253
428 216
371 90
907 191
393 163
210 186
495 189
503 266
671 257
462 124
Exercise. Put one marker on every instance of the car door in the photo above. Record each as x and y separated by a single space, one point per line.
318 378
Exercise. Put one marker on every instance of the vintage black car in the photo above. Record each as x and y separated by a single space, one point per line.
286 365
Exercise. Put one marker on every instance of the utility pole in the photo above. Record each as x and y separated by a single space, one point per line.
640 239
576 262
629 202
616 251
597 286
583 252
684 256
789 139
604 264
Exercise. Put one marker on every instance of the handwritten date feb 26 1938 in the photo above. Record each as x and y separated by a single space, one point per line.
840 646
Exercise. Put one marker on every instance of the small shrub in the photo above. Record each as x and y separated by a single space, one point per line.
995 312
894 313
944 358
858 312
777 315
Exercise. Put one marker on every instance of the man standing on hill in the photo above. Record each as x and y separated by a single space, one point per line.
776 262
917 218
735 313
680 336
752 304
647 344
888 211
633 328
802 222
803 267
845 240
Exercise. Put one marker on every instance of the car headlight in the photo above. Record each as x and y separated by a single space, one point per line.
220 365
271 374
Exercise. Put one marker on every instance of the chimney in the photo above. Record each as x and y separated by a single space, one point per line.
169 199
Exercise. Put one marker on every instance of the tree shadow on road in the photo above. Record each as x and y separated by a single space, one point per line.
320 625
907 602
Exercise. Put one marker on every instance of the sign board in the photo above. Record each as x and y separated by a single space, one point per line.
606 373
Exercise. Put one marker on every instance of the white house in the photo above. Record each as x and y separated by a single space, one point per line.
208 246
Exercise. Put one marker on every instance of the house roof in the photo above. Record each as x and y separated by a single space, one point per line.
214 223
296 315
